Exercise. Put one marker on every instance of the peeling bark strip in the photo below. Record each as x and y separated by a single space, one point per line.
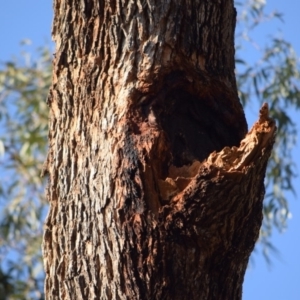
153 193
219 213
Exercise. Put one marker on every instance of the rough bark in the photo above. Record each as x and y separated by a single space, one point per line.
153 193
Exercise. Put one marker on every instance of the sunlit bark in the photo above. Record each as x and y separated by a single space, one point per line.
152 193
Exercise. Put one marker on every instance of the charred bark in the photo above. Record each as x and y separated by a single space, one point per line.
154 193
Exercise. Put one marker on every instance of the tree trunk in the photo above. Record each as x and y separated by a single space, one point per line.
153 193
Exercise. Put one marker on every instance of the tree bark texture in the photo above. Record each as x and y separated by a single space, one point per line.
155 192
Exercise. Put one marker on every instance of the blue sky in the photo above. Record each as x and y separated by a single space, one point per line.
20 19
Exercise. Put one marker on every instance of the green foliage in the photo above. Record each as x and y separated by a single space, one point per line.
274 78
23 137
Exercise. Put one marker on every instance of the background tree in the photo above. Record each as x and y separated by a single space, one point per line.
287 62
273 78
24 122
